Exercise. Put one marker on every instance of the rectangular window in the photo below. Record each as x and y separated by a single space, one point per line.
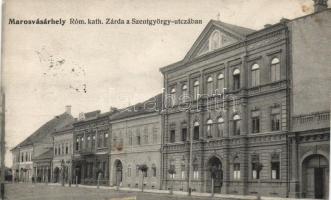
77 144
236 171
184 134
256 167
138 140
274 170
100 140
172 136
137 170
255 77
196 133
236 127
93 142
105 141
130 139
275 72
129 172
220 128
220 85
255 171
67 149
195 175
154 171
236 82
275 122
255 124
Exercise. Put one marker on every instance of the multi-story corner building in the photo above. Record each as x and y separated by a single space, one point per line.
91 148
38 147
62 154
136 140
241 114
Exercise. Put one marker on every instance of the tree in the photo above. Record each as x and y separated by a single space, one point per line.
172 172
143 168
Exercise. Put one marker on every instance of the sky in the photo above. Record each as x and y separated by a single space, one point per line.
95 67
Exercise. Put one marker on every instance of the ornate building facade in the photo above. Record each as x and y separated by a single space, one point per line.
91 148
236 106
62 154
135 141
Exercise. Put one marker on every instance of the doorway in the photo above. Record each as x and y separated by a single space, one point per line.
315 177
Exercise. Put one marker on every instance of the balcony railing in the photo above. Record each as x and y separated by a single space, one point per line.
311 121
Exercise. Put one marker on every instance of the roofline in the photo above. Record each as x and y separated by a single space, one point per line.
142 115
182 62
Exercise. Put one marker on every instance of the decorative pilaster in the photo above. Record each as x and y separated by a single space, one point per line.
294 183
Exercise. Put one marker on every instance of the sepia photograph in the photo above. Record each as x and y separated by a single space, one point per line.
165 99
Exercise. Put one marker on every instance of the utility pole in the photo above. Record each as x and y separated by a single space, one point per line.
2 145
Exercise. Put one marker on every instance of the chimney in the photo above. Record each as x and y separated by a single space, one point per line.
68 109
113 109
267 25
320 5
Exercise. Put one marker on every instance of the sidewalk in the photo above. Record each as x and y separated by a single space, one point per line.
175 193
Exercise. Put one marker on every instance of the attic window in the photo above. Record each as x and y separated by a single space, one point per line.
215 40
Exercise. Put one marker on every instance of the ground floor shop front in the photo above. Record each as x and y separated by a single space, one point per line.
91 169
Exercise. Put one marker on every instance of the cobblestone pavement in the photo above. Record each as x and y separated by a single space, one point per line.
24 191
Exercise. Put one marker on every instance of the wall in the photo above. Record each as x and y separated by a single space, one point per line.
311 58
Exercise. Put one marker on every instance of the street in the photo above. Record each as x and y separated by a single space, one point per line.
28 191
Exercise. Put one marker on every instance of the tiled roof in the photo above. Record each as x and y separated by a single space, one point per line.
49 127
141 108
65 128
47 155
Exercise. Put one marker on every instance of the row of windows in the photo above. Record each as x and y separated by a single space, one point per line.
91 141
219 88
256 168
24 157
149 173
62 149
136 139
216 130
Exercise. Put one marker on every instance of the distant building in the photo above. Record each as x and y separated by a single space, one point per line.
255 107
38 146
91 148
136 140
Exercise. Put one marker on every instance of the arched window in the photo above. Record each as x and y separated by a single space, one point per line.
236 125
196 130
209 86
236 79
220 83
209 127
184 93
173 96
275 69
195 90
255 75
220 127
215 40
